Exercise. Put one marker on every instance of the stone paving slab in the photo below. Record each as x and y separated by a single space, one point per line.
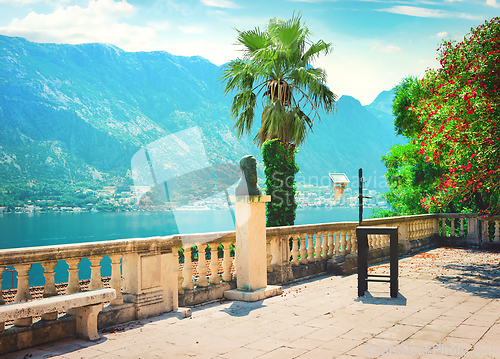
448 306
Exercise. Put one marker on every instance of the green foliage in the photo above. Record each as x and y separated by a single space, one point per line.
277 63
280 170
407 94
460 122
409 177
451 118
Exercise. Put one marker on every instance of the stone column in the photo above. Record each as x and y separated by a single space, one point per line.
251 254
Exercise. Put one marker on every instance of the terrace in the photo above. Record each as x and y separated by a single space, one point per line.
446 297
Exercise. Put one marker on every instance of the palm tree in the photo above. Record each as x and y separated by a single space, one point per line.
277 63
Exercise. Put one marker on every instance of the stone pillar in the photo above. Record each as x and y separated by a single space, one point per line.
150 283
251 254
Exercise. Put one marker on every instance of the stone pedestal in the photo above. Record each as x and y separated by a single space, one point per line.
149 283
250 251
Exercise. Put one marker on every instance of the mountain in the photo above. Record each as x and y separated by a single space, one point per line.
352 138
381 108
79 114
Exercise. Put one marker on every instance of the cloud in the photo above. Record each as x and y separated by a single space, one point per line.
430 13
24 2
390 48
192 29
492 3
159 25
220 3
442 34
99 22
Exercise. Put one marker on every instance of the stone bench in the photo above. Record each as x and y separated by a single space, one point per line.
87 306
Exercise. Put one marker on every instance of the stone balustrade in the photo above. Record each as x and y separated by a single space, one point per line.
150 277
145 263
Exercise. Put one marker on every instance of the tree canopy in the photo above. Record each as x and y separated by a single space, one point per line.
277 64
451 119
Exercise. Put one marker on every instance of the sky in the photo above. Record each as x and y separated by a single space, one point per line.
375 42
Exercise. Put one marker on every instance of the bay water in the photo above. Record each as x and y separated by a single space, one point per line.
24 230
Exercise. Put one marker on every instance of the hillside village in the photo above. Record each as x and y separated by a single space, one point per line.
125 198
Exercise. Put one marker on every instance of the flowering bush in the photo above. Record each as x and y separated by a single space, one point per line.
451 117
459 120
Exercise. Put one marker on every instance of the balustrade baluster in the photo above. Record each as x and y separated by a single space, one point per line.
275 251
443 227
497 234
461 227
226 263
331 245
95 273
2 301
354 241
202 267
187 271
317 248
295 252
23 292
310 248
73 280
116 276
269 256
452 227
302 249
337 244
486 234
234 275
324 256
348 243
214 264
49 289
343 243
180 278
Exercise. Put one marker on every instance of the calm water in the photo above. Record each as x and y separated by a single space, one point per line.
20 230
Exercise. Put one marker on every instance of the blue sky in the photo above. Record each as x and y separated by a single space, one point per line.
376 43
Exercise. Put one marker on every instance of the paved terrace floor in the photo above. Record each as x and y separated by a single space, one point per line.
448 300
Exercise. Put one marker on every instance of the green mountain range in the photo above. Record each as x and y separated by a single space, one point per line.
77 114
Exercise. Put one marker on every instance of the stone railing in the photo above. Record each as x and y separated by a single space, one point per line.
141 274
149 278
470 230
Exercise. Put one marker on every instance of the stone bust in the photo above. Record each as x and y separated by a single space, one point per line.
248 183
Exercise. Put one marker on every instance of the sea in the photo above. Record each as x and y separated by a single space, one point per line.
24 230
